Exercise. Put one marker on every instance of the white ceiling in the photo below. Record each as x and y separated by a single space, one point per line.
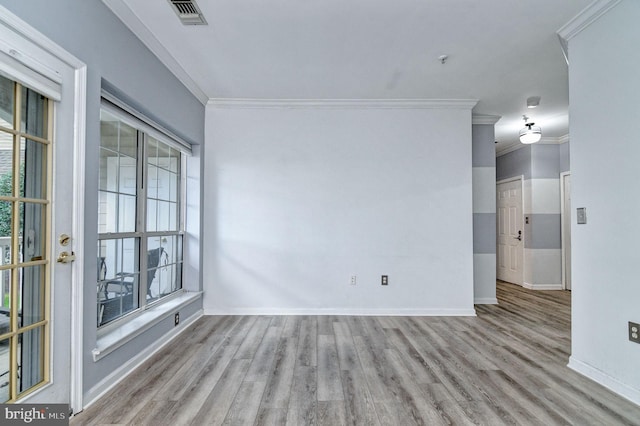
500 52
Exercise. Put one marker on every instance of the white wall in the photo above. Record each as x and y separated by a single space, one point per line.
605 153
298 200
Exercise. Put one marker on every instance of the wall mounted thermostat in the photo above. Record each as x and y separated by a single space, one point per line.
581 215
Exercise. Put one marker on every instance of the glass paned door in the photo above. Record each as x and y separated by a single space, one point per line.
25 154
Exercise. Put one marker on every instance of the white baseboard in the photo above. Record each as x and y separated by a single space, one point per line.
485 301
353 312
605 380
543 286
116 376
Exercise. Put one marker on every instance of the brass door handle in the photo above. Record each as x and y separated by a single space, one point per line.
65 257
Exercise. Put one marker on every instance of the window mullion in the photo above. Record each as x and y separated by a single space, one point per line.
141 220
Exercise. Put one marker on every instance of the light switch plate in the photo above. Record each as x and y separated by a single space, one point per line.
581 213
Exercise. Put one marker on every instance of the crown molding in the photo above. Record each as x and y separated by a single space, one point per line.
582 20
466 104
554 140
544 141
131 21
485 119
513 147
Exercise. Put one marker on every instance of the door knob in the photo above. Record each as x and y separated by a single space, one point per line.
519 237
65 257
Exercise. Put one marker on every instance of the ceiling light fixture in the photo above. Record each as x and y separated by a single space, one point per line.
530 133
533 101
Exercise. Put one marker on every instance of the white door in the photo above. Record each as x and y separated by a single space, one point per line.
510 232
41 131
566 230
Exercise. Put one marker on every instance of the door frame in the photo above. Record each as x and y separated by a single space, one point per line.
524 260
31 40
563 243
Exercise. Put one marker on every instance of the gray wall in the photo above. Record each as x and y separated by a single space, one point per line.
514 163
89 30
565 159
484 213
604 88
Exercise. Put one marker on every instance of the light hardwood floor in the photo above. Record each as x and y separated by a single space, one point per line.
506 366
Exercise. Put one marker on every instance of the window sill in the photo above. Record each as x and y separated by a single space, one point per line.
128 331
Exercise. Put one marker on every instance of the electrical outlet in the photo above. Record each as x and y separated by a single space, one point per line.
353 280
385 280
176 318
634 332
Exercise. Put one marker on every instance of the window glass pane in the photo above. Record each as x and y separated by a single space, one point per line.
163 275
173 188
4 369
175 160
107 257
164 212
32 297
173 217
109 131
127 213
129 256
107 206
152 182
30 358
164 153
6 164
34 113
118 277
108 177
127 175
152 150
152 222
7 102
128 142
5 306
33 169
6 213
33 231
156 258
164 184
177 277
118 136
117 257
169 243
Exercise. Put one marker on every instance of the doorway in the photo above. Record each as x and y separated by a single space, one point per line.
510 239
42 122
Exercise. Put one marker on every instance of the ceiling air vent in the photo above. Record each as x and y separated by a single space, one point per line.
188 12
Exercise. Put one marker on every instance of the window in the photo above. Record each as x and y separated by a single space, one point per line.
25 151
139 216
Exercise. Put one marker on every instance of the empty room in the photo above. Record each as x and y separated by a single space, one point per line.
340 212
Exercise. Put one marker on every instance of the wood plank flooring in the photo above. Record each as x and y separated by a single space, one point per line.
506 366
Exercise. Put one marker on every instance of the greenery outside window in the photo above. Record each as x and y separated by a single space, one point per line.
140 225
